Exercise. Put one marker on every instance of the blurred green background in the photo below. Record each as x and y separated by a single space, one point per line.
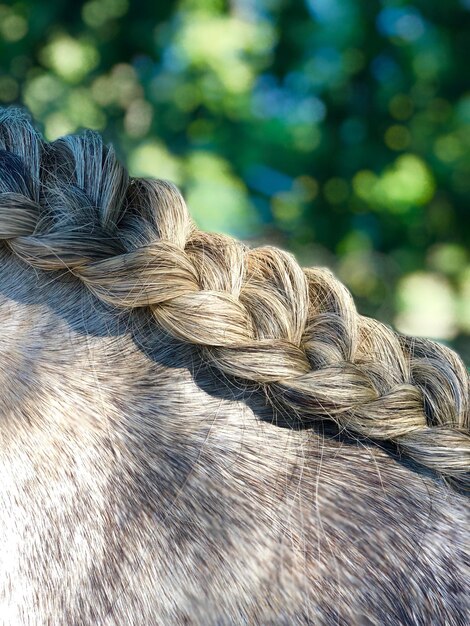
336 129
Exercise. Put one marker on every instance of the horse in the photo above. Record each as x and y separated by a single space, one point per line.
199 433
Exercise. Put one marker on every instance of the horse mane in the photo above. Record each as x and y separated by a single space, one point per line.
256 316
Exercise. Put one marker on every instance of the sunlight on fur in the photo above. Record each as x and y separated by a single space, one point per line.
196 432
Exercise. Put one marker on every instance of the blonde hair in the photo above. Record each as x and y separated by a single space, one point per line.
257 317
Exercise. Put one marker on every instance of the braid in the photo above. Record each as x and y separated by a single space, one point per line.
255 313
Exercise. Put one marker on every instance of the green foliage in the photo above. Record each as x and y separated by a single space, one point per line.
338 129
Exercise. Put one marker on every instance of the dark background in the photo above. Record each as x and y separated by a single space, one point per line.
336 129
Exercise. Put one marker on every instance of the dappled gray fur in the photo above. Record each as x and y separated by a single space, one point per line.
143 484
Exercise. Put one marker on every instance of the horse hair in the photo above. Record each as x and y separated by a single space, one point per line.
199 432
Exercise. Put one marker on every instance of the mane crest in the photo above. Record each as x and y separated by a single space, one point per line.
255 313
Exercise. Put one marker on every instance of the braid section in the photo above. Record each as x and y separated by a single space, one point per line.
256 314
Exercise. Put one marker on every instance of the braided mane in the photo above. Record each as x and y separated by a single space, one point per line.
255 313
